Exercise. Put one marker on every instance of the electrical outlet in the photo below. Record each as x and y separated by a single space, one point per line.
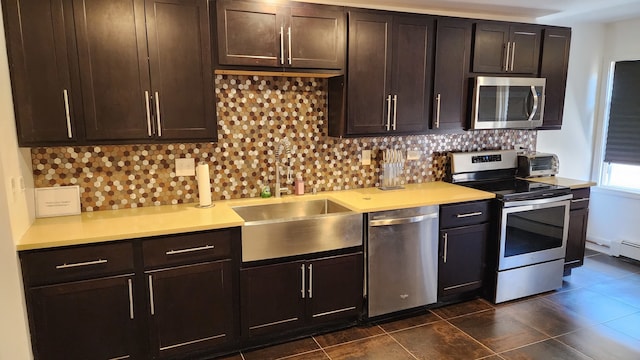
366 157
185 167
413 155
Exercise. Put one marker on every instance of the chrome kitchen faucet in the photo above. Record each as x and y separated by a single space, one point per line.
283 147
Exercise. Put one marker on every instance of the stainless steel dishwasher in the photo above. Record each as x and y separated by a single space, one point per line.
402 259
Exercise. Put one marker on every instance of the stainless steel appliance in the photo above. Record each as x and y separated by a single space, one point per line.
533 221
537 164
507 102
402 259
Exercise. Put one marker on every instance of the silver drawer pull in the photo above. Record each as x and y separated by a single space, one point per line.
86 263
182 251
477 213
579 200
131 314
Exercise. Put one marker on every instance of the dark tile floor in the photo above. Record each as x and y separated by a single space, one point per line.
596 315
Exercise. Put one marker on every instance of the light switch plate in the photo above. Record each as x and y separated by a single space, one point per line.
185 167
366 157
413 155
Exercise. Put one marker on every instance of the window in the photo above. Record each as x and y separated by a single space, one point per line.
621 164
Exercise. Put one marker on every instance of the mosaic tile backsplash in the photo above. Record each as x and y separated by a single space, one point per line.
254 113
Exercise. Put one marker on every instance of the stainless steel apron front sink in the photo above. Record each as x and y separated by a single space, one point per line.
296 228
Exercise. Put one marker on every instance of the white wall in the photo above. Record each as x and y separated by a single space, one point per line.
573 144
613 215
16 214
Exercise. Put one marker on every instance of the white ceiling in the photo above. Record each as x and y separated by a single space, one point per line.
541 11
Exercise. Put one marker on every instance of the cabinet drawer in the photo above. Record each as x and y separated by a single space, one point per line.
70 264
463 214
187 248
580 198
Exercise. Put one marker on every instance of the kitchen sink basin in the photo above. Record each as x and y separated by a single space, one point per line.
296 228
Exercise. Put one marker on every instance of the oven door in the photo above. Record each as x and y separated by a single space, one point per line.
533 231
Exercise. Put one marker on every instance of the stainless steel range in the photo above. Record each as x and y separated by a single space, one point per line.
533 221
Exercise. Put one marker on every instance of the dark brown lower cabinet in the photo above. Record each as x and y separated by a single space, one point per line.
92 319
462 259
190 308
299 294
577 235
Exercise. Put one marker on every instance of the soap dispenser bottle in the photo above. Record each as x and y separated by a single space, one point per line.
299 186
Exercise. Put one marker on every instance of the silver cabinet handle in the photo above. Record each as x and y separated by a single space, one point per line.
438 111
182 251
446 245
65 95
404 220
130 299
310 281
506 56
477 213
302 273
281 45
388 112
86 263
146 104
534 108
289 36
151 302
513 54
158 121
395 110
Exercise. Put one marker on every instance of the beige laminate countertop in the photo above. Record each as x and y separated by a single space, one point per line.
571 183
108 225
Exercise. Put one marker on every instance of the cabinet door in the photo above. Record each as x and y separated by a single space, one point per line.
553 67
462 259
452 58
272 298
369 77
91 319
525 49
335 288
112 52
317 37
411 73
490 47
39 42
576 238
190 307
250 33
181 70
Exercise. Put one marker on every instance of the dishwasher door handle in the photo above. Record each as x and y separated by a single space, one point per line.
403 220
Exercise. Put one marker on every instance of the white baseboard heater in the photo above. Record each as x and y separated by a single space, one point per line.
625 248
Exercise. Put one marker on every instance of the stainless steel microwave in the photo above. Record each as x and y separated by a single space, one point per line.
507 103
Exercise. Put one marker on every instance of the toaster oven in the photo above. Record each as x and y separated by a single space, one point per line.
537 164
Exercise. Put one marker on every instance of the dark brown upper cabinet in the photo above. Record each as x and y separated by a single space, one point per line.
39 39
553 66
506 48
150 76
116 70
305 36
450 76
389 74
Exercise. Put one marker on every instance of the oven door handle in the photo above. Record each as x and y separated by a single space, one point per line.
537 201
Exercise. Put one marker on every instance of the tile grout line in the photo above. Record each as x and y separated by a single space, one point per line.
321 347
471 337
397 342
352 341
565 344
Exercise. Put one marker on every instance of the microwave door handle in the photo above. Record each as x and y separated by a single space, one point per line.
534 108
